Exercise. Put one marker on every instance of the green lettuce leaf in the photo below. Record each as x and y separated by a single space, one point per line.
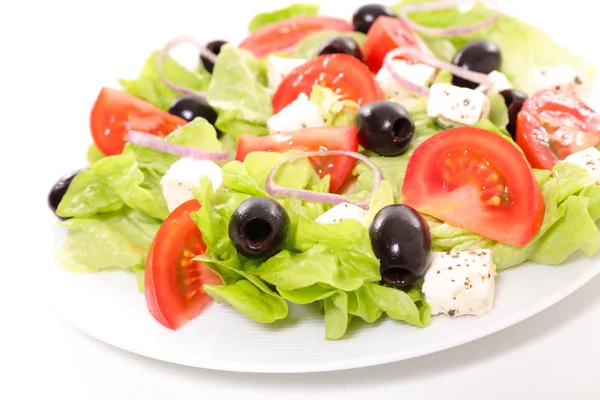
336 315
94 154
237 90
524 47
88 195
291 11
150 87
498 110
309 46
333 110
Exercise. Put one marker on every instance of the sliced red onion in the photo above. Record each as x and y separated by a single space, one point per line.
412 53
330 198
158 143
441 5
164 52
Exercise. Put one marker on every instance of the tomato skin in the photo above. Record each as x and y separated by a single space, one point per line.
386 34
169 270
310 139
579 125
342 73
283 36
115 113
457 174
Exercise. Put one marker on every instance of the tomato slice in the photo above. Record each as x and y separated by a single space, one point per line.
476 180
283 36
310 139
386 34
342 73
173 291
552 125
115 113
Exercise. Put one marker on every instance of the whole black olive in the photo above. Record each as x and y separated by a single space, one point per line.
215 47
479 56
364 17
341 45
514 100
402 242
259 228
384 127
190 106
59 189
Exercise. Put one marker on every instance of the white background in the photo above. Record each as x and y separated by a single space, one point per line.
55 57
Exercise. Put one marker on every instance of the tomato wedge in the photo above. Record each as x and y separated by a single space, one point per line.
552 125
386 34
476 180
116 113
173 291
342 73
311 139
283 36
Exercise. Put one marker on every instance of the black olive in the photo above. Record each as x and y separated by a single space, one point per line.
384 127
479 56
364 17
59 189
215 47
341 45
259 227
514 100
402 242
190 106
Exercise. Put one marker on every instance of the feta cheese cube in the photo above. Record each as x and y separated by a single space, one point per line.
498 82
455 106
280 67
183 175
563 78
420 74
588 159
341 212
460 283
301 113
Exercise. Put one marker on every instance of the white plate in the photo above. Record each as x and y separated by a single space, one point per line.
108 307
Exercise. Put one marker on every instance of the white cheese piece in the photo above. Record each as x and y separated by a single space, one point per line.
301 113
455 106
419 74
460 283
279 67
563 78
498 82
588 159
341 212
183 175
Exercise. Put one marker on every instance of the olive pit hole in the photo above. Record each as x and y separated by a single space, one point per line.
256 231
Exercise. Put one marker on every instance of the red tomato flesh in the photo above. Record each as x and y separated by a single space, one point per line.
386 34
476 180
311 139
342 73
283 36
552 125
173 281
116 113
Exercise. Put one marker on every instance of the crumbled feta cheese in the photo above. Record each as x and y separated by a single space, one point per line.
455 106
280 67
183 175
563 78
301 113
460 283
588 159
498 82
341 212
419 74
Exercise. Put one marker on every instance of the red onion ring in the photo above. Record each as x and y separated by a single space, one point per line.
330 198
164 52
157 143
444 4
412 53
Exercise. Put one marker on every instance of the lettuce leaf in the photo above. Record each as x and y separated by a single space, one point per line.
310 45
150 87
237 90
524 47
291 11
333 110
